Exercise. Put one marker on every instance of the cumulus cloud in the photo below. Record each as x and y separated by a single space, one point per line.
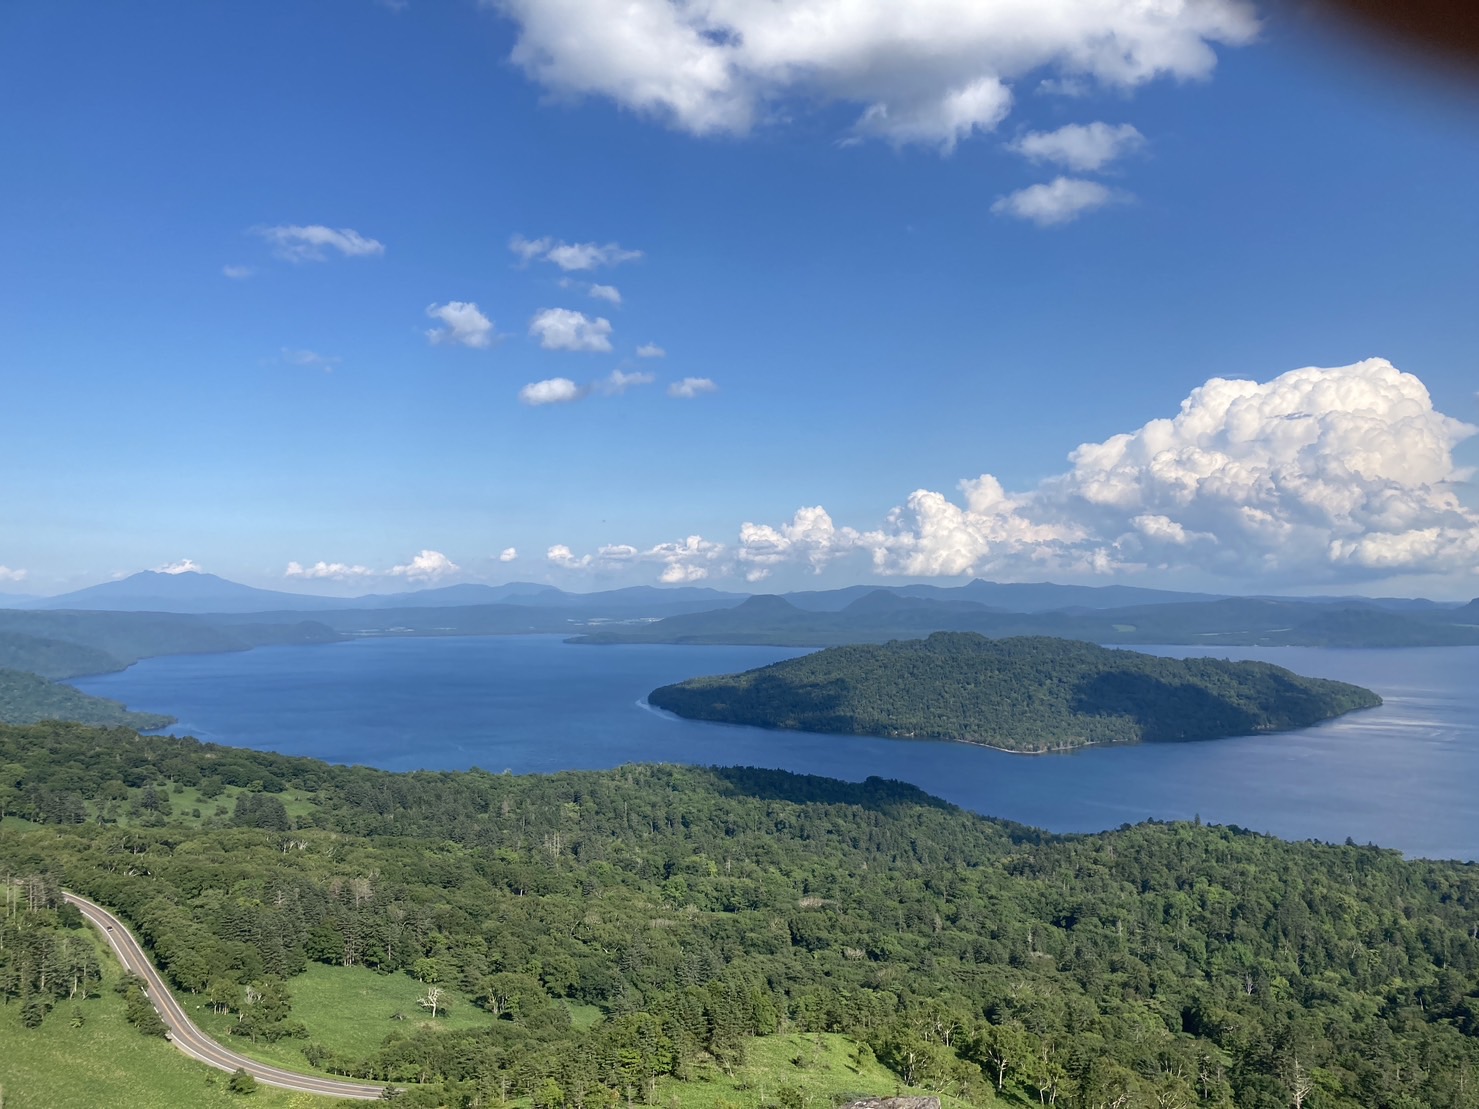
462 323
685 560
927 71
1337 475
554 390
237 273
691 387
811 538
327 571
572 256
1061 200
567 329
7 574
426 566
1079 146
310 243
508 554
183 566
609 293
651 350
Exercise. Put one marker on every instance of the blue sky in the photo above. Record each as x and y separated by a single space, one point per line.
234 241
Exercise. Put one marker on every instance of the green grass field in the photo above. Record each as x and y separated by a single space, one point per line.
106 1062
347 1009
816 1070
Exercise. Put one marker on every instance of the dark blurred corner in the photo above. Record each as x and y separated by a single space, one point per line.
1439 36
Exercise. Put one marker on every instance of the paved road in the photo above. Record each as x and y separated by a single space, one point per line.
190 1039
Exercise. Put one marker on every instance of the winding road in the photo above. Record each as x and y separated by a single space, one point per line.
182 1030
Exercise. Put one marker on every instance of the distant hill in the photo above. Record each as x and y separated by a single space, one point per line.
151 591
53 658
206 594
1030 694
878 616
27 699
67 644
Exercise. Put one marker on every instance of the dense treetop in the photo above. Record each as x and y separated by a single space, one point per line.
27 698
1021 694
1153 966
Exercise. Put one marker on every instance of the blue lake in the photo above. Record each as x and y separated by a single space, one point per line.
1405 775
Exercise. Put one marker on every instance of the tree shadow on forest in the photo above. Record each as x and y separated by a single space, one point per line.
876 793
1165 712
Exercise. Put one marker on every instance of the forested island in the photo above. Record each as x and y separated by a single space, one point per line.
663 935
1028 694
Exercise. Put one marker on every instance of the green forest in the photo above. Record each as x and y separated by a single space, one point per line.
27 699
1030 694
627 933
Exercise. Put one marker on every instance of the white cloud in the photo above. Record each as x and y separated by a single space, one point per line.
691 387
572 256
7 574
1319 475
811 537
651 350
508 554
566 329
926 71
426 566
237 273
313 359
563 557
462 324
1059 201
327 571
308 243
529 249
609 293
1081 147
184 566
554 390
686 560
618 382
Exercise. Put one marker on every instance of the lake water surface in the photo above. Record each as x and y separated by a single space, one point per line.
1405 775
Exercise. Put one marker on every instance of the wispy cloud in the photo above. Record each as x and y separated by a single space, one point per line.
462 325
617 382
237 273
311 242
651 350
183 566
311 359
327 571
691 387
572 256
7 574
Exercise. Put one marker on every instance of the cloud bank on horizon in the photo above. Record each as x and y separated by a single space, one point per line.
1341 474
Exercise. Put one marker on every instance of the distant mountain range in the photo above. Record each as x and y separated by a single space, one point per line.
110 626
190 592
879 616
152 591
